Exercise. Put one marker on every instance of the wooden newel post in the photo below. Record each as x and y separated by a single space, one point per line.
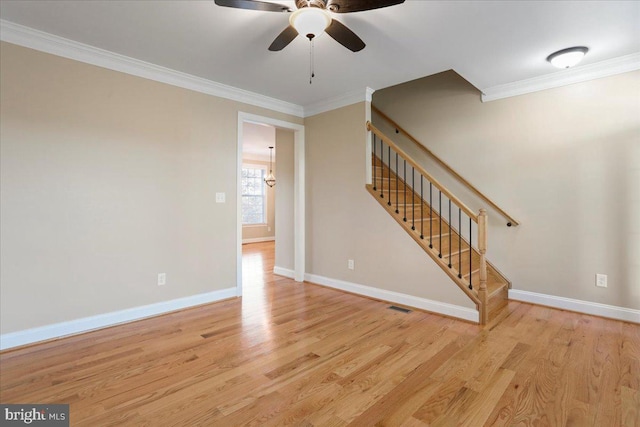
482 248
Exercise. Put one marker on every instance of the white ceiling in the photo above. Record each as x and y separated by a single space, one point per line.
256 140
488 42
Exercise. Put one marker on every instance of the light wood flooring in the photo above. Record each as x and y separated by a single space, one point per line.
305 355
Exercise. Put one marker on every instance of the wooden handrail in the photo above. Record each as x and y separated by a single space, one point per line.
510 219
424 173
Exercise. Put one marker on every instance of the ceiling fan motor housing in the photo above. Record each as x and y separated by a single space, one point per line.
311 3
312 18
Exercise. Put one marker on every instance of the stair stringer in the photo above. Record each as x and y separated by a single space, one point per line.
496 287
430 251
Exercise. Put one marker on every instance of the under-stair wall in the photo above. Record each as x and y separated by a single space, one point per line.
345 222
429 164
563 161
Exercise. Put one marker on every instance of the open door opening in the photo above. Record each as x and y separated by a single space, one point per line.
283 221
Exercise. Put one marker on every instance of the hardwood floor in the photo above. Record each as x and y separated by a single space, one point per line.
304 355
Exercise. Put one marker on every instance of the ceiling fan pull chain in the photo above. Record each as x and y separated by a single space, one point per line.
312 73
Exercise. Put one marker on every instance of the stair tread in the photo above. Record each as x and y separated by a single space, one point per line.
473 272
495 286
456 252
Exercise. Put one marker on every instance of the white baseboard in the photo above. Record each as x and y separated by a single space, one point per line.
586 307
259 240
446 309
58 330
286 272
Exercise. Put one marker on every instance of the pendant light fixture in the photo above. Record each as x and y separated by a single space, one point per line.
270 180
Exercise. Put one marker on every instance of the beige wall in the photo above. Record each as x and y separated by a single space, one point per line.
345 222
284 201
267 230
107 180
565 162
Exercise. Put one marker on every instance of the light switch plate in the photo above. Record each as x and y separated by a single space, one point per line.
601 280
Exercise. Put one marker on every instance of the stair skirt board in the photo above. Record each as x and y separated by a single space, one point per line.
449 248
443 308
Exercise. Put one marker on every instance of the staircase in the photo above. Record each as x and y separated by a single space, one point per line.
446 229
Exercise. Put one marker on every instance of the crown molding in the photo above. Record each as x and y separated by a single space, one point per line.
610 67
348 98
369 94
49 43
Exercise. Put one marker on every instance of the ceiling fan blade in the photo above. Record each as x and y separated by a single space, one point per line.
345 36
254 5
346 6
283 39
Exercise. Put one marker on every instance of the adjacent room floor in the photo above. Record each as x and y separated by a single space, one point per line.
304 355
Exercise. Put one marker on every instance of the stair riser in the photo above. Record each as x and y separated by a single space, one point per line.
385 187
435 243
463 261
384 172
498 301
423 223
431 228
444 249
385 182
408 207
401 195
456 268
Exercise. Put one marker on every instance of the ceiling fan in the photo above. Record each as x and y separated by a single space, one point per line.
312 18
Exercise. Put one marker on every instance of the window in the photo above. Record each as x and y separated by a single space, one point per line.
254 197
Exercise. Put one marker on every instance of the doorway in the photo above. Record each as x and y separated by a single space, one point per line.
298 200
258 196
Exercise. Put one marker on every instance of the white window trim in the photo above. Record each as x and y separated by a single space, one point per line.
266 197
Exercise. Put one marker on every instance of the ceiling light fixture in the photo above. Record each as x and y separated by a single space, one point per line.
310 21
270 180
567 58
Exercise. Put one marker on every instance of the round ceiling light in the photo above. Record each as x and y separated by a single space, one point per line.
567 58
310 21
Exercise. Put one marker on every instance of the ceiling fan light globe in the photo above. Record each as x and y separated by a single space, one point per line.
310 22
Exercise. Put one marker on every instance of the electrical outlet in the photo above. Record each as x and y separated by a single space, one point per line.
162 279
220 197
350 264
601 280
